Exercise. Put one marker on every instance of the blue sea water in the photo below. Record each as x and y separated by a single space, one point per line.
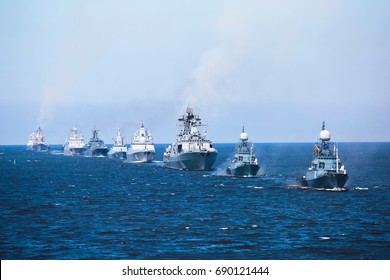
59 207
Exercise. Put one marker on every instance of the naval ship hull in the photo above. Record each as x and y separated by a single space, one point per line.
191 161
144 156
99 152
117 155
245 170
38 148
328 181
74 151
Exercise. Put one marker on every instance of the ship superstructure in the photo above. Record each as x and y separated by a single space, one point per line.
326 170
36 141
96 146
245 163
192 150
142 146
74 144
119 149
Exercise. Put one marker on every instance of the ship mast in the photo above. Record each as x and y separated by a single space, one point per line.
337 159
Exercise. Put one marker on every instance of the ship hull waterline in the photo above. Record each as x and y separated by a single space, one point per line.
246 170
74 151
328 181
99 152
38 148
197 161
144 156
118 155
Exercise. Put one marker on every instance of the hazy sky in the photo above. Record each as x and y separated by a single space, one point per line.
279 67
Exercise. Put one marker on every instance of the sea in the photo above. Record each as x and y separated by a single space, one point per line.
62 207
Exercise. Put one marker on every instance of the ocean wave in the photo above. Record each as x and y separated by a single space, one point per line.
360 189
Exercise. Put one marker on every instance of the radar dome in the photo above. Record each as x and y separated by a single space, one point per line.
325 135
244 136
142 139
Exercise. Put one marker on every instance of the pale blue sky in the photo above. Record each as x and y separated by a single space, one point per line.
279 67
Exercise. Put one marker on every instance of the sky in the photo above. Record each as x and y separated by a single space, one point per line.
279 68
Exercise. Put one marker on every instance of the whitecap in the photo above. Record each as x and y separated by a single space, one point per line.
336 190
361 189
324 237
254 187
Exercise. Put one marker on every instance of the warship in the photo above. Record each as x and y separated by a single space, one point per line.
74 145
96 146
326 170
192 150
36 141
142 146
119 150
245 163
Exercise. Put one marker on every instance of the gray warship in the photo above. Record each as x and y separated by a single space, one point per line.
245 163
96 146
119 149
142 147
36 141
192 150
74 144
326 170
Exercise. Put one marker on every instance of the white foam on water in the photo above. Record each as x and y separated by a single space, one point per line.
324 237
336 190
255 187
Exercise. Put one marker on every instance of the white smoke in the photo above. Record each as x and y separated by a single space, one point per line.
210 79
50 99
